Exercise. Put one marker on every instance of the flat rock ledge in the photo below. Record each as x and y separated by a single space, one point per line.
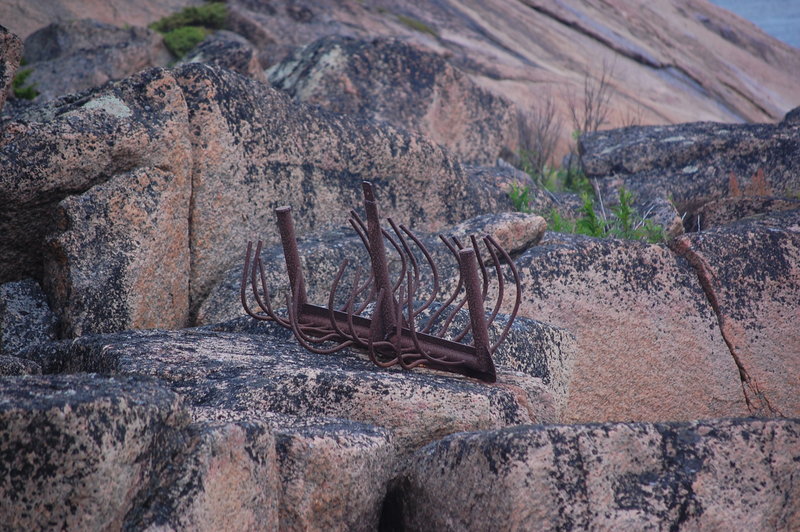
91 452
737 474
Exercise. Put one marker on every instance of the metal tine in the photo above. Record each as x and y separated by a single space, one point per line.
435 316
292 304
414 266
243 285
370 297
398 329
331 297
453 313
417 346
431 263
517 298
360 227
270 315
265 304
403 260
481 265
500 283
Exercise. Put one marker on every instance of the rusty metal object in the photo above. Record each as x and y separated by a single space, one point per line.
391 335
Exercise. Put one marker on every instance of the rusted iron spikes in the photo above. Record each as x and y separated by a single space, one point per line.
391 336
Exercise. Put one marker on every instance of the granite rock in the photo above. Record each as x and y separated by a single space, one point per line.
649 343
738 474
391 80
10 55
750 271
25 317
72 56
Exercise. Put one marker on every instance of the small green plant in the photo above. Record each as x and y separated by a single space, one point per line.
180 41
21 90
212 16
184 30
520 197
558 223
625 222
417 25
589 223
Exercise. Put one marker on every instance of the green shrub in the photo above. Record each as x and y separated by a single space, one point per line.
184 30
26 92
181 40
212 16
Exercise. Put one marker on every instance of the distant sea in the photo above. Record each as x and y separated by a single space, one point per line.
779 18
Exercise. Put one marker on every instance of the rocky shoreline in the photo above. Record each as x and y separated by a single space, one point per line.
644 385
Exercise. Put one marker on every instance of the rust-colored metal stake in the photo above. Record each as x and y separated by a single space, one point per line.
294 267
468 266
387 325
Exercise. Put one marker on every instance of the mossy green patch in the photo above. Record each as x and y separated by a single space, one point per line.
211 16
21 90
185 29
181 40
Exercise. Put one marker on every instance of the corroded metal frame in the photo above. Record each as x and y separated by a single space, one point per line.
391 335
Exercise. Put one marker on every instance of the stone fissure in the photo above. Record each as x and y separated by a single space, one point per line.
756 401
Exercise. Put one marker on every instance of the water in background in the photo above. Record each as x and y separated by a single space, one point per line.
779 18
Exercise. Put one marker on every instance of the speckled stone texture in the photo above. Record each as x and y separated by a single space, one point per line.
750 271
66 147
410 87
333 473
219 477
739 474
256 150
225 49
25 317
261 373
649 343
123 258
10 55
76 450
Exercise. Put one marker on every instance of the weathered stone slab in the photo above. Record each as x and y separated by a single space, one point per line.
333 472
25 317
256 150
68 146
259 374
221 476
736 474
750 271
228 50
123 258
391 80
648 341
10 55
77 449
696 163
11 365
